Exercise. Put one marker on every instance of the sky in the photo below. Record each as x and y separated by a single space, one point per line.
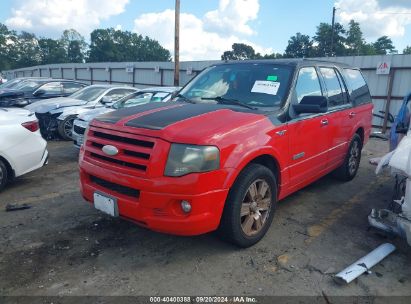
210 27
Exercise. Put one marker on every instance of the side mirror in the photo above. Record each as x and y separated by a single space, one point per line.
311 104
21 103
106 100
39 92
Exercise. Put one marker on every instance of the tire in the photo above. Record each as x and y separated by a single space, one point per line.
4 176
65 128
348 170
245 219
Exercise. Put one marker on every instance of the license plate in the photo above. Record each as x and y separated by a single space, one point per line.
105 203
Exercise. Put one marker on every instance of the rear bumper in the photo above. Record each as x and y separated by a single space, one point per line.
157 204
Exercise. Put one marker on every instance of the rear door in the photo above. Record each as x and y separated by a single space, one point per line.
339 109
308 133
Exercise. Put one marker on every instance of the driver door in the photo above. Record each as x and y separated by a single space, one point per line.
308 134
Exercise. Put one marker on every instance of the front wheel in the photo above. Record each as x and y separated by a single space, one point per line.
250 206
348 170
65 128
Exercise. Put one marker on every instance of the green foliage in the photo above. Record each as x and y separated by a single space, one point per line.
240 51
323 40
384 46
299 46
25 49
114 46
407 50
354 41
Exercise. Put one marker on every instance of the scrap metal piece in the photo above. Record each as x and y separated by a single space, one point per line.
11 207
364 264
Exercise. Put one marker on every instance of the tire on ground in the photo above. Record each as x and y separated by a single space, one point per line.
3 175
230 228
62 125
348 170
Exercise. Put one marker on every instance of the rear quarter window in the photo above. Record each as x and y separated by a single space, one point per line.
357 87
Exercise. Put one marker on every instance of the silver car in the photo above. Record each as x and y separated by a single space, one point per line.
157 94
56 115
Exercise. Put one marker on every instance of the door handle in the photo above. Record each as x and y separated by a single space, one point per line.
352 115
324 122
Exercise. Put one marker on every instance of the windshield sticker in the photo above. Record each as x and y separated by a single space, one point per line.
272 78
266 87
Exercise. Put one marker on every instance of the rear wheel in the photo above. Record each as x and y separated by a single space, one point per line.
3 175
349 168
65 128
250 206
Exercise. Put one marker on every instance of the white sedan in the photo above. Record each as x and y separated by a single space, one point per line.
22 149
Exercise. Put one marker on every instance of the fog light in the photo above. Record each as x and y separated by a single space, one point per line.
186 206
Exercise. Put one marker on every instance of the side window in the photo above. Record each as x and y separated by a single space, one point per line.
333 85
357 87
117 94
71 87
308 83
51 88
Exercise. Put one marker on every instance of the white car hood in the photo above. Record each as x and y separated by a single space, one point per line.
48 105
90 115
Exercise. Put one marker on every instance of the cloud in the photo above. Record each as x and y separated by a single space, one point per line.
51 17
376 16
207 38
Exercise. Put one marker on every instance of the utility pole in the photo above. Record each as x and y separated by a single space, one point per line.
332 33
177 44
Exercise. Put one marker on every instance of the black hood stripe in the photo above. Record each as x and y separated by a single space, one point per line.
116 116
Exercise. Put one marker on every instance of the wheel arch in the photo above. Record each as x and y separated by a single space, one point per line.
9 168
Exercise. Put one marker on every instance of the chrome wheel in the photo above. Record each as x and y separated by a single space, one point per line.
354 157
68 127
255 208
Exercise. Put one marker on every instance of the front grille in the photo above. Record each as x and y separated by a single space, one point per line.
115 187
134 151
79 130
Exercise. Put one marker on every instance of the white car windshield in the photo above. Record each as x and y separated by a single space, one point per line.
88 93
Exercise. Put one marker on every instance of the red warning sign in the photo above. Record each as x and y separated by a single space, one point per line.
383 68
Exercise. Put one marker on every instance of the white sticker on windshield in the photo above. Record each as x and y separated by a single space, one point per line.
266 87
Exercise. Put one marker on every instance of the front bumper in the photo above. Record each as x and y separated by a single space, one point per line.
155 203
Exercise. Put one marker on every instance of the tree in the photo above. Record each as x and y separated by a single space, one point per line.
26 48
384 46
240 51
407 50
354 41
51 51
299 46
323 39
115 45
74 45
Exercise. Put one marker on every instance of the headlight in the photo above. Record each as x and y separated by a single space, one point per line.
185 159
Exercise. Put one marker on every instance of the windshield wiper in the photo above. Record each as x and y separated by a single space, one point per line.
224 100
186 99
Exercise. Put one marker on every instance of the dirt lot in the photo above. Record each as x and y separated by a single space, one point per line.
62 246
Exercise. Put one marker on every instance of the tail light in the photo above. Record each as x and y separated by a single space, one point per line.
32 126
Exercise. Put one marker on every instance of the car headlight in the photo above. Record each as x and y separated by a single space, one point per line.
184 159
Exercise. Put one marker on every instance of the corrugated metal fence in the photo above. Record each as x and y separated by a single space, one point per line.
387 90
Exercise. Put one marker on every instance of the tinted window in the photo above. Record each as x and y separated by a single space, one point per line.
28 85
51 88
332 83
89 93
307 83
71 87
254 84
357 87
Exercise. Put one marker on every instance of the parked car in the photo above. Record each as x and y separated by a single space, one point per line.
235 140
22 149
57 115
32 90
14 82
157 94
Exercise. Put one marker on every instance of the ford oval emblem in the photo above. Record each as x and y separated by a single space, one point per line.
110 150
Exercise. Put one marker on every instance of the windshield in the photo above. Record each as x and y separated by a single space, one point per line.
28 85
140 98
252 84
10 83
88 93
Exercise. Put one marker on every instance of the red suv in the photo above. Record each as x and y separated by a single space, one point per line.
235 140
